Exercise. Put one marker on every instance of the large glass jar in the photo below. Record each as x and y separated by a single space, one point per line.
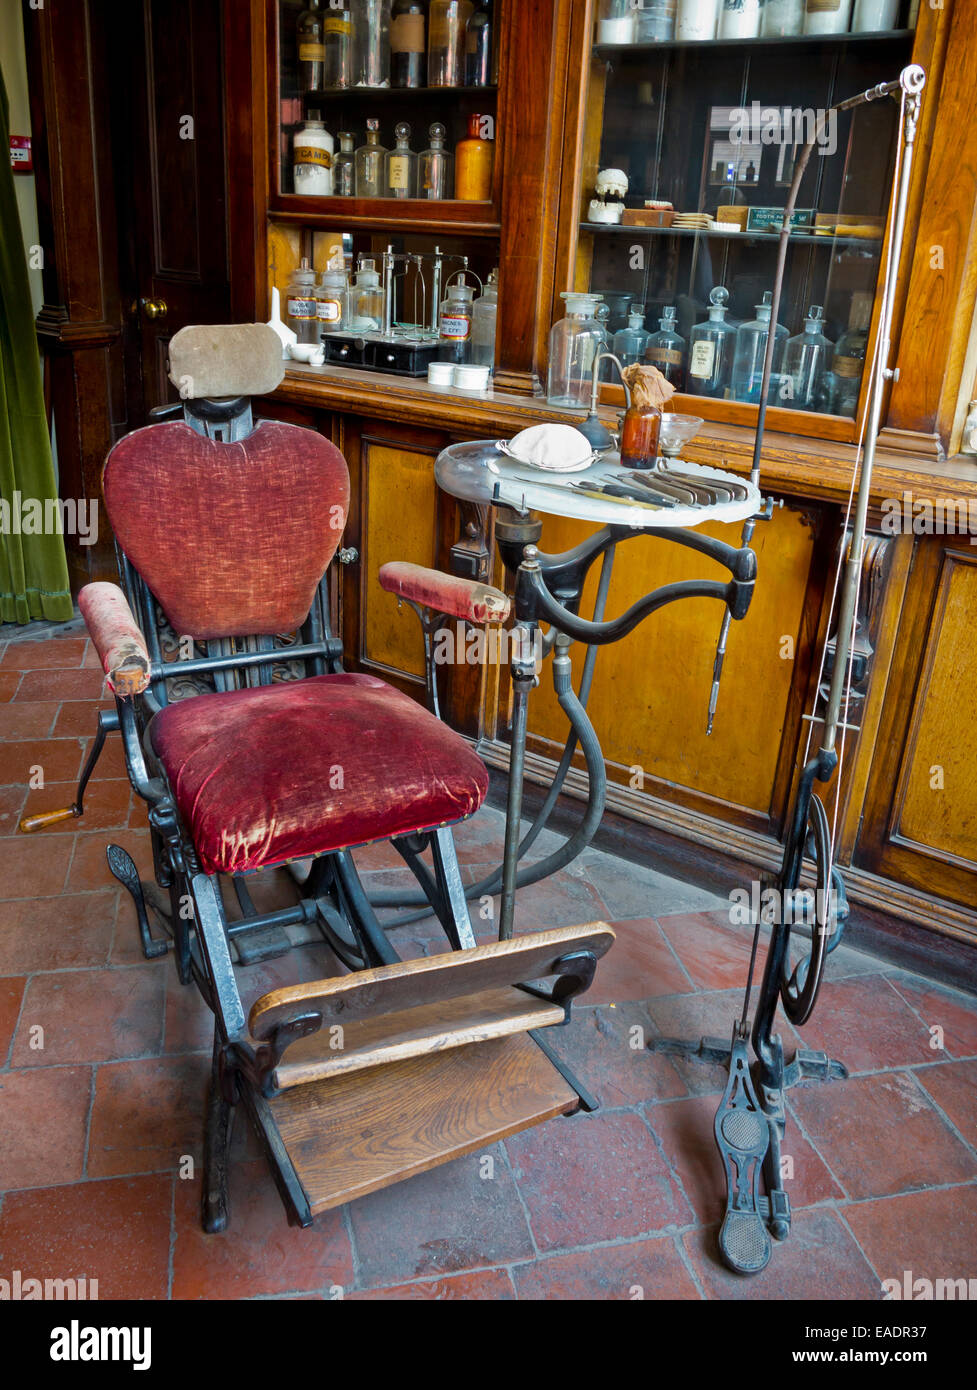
447 27
371 42
574 343
751 347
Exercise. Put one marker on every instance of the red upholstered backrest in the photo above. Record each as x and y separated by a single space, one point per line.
231 538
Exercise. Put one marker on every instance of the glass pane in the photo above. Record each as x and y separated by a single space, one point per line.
691 154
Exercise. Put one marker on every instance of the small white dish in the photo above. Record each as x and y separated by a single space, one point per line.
312 353
470 376
440 373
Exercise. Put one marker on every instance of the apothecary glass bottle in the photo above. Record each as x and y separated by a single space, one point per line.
574 343
371 42
312 160
344 167
309 47
696 20
751 345
400 179
827 16
739 19
711 347
666 349
408 60
807 357
302 304
366 298
782 19
337 42
629 343
485 313
848 362
455 324
616 22
369 163
447 25
655 21
436 177
333 301
478 46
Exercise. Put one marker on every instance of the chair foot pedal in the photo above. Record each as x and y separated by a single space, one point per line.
705 1050
254 947
742 1136
122 867
807 1065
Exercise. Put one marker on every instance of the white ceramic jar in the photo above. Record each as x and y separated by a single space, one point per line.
739 19
874 16
697 20
312 151
827 16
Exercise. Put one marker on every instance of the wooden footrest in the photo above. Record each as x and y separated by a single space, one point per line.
361 1131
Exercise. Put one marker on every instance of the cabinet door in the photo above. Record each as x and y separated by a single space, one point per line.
920 823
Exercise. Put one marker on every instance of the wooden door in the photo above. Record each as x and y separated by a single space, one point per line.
168 124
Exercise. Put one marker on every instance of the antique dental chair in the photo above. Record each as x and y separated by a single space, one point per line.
225 531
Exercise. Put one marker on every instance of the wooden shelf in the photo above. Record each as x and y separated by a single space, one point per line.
439 217
720 46
800 238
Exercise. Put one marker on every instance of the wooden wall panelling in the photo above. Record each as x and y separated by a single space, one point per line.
921 808
79 326
245 113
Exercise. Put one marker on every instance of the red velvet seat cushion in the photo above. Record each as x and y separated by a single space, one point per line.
276 773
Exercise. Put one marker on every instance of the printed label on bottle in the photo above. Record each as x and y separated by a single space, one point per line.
407 33
311 52
338 24
823 6
702 359
330 310
398 168
666 355
302 308
455 327
310 154
847 366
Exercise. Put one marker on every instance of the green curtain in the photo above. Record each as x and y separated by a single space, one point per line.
33 568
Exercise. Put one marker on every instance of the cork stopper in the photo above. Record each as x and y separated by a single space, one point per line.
649 388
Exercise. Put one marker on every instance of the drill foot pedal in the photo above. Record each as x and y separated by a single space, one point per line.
743 1136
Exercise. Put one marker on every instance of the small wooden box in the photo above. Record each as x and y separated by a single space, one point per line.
733 214
647 217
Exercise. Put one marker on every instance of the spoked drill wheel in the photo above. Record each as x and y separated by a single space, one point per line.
799 989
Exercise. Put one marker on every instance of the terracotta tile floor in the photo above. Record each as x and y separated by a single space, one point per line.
104 1062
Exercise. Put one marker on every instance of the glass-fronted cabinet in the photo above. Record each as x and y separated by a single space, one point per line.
695 113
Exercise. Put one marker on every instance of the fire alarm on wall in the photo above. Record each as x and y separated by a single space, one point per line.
21 158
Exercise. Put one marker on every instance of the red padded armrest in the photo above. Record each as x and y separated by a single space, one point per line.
446 593
116 634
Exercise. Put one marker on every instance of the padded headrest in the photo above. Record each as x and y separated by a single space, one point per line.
226 359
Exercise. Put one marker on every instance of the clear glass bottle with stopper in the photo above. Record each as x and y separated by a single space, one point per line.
485 313
849 357
337 42
333 300
806 359
574 343
666 349
436 178
371 42
629 343
711 347
751 345
344 167
302 304
366 298
455 323
369 163
310 47
400 178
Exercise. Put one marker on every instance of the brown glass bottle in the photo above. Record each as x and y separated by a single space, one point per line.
639 436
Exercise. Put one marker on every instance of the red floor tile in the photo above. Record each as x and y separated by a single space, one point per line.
79 718
9 683
43 1119
63 652
92 1016
562 900
148 1116
34 866
880 1135
646 1269
929 1234
33 720
488 1285
865 1024
953 1014
690 1016
111 763
117 1232
639 965
106 805
685 1128
11 801
819 1261
605 1049
60 685
189 1024
11 997
954 1088
58 758
61 933
89 868
259 1253
440 1222
716 955
594 1178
